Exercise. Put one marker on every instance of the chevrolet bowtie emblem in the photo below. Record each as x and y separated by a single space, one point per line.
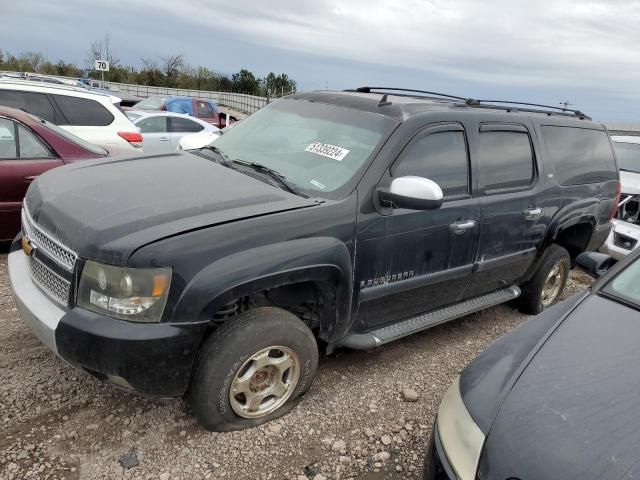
27 248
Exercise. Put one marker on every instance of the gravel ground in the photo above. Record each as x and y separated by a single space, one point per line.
58 422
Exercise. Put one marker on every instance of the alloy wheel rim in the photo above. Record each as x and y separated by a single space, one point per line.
552 284
264 382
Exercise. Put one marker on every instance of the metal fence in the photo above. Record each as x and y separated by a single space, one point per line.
237 101
240 102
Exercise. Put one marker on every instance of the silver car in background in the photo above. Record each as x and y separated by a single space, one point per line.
161 131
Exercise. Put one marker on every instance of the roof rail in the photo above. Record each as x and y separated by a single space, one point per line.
391 89
492 103
472 102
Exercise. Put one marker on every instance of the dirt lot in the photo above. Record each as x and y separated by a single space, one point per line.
57 422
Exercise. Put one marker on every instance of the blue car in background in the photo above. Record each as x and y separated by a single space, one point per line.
201 108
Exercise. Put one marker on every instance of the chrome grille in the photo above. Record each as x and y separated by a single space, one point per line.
53 284
42 240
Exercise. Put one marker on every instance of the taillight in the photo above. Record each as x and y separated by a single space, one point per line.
134 138
614 210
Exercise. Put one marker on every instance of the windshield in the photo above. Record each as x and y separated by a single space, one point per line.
316 147
70 136
626 284
133 115
151 103
628 156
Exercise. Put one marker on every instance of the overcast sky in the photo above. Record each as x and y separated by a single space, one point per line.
586 52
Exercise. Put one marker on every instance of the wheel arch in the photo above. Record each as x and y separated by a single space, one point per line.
320 261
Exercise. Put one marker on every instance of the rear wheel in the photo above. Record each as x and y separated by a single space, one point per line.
547 284
252 369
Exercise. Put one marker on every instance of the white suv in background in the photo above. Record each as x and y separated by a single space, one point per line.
625 234
94 117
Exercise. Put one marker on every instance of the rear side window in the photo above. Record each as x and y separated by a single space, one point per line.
505 160
30 145
441 157
183 125
205 110
35 103
153 125
579 155
83 112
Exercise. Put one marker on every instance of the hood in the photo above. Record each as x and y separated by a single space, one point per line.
106 209
630 183
573 413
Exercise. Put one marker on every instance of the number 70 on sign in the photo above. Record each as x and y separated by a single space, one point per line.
102 65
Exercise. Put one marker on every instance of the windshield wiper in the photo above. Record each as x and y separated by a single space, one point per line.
627 170
226 161
274 174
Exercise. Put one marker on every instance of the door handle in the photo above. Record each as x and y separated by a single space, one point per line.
30 178
462 226
164 139
532 212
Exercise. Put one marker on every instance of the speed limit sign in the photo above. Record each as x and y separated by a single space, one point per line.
102 65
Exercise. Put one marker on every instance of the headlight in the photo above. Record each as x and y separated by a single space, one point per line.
135 294
460 437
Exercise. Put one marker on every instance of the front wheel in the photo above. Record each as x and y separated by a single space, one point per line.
547 284
252 369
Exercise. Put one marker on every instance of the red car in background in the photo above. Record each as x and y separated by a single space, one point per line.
30 146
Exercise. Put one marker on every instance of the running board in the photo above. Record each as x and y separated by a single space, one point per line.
363 341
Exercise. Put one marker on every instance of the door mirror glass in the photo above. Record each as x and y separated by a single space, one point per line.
413 193
594 263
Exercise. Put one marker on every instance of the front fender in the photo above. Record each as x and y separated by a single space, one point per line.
251 271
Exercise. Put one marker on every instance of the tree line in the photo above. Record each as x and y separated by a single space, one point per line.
165 71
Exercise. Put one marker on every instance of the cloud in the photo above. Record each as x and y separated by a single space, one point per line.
575 48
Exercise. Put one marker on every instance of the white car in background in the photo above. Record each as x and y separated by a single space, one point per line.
92 116
625 234
162 131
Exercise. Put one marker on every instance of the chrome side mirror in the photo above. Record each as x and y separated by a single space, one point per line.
413 193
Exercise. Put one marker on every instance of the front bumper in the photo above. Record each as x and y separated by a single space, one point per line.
154 359
436 466
623 239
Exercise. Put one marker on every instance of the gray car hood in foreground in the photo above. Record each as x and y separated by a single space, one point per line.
106 209
574 413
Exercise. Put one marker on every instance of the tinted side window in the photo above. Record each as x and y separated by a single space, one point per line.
505 160
579 155
183 125
35 103
83 112
205 110
441 157
30 145
153 125
8 147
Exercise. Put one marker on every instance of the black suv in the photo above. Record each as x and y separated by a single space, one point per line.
325 219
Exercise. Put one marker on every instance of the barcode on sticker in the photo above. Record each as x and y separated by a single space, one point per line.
326 150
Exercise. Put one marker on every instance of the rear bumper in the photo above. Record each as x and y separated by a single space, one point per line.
155 359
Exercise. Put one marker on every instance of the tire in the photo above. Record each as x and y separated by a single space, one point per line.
234 357
532 300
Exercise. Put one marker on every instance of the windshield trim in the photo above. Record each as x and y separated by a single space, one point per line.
618 298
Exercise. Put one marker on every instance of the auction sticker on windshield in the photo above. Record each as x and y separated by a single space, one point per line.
326 150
